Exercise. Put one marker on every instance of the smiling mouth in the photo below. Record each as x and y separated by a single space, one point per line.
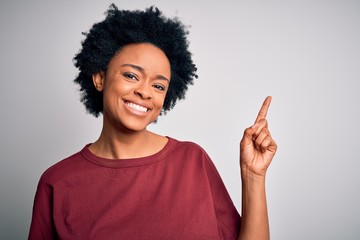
136 107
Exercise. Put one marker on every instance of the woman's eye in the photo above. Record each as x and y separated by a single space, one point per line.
159 87
130 76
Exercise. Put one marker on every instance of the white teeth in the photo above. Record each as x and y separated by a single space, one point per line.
137 107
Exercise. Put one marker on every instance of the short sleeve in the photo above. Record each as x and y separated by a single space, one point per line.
42 225
227 215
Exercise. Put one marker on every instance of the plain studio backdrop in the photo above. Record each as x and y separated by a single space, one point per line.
306 54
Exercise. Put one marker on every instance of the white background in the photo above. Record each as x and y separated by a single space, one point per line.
306 54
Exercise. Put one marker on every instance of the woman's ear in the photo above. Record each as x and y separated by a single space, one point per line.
98 80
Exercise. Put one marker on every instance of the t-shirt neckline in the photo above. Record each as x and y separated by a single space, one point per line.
131 162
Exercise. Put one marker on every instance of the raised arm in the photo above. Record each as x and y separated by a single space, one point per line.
257 149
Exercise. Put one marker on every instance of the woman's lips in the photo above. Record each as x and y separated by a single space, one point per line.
136 107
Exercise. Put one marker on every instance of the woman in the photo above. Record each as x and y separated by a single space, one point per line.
135 184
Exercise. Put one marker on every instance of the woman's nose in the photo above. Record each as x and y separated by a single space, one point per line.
143 91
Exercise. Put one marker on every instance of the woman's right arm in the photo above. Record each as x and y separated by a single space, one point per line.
42 225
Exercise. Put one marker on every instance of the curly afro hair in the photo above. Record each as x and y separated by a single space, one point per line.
122 27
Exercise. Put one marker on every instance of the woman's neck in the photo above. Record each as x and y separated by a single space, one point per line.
125 145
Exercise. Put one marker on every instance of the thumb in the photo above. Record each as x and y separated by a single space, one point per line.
248 136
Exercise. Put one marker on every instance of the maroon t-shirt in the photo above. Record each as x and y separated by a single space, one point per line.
176 193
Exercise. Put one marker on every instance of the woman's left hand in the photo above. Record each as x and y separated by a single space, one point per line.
257 147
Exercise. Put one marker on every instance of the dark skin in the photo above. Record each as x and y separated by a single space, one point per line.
257 149
134 89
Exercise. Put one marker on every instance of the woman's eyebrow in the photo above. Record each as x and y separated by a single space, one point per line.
133 66
160 77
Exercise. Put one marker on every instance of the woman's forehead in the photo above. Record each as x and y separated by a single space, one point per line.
144 55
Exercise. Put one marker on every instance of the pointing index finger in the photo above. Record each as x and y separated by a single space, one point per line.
264 109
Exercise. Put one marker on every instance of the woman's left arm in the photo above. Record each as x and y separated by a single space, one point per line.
257 149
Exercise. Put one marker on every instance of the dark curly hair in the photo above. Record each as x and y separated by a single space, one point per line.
122 27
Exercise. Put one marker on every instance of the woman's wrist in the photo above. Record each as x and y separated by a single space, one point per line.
248 176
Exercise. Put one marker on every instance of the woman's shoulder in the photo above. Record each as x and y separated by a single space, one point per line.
187 146
63 167
185 143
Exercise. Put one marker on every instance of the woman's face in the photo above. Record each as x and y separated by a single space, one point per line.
134 86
